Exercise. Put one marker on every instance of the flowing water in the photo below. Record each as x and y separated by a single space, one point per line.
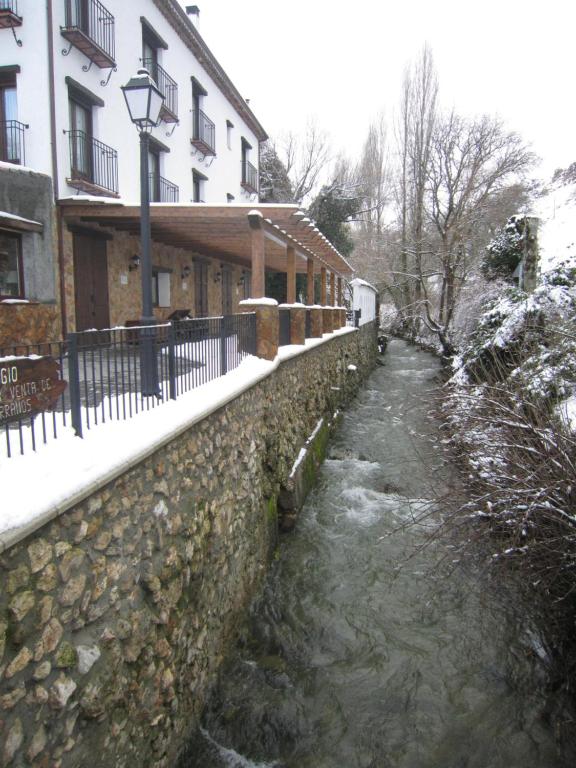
366 649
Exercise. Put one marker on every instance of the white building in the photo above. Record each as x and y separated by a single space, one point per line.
66 114
364 300
63 115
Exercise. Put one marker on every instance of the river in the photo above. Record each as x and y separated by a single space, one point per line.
368 649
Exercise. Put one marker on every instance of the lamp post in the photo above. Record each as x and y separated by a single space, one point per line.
144 101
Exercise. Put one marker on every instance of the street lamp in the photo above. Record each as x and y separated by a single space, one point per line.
144 101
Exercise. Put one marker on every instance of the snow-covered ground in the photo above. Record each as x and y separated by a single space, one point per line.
556 210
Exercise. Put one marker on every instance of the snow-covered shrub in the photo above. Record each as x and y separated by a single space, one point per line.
505 250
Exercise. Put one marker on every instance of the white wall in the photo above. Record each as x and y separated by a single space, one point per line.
111 123
364 298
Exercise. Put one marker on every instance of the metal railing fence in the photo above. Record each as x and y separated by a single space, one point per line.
12 147
9 5
249 176
93 20
283 327
103 371
203 130
93 161
165 83
161 190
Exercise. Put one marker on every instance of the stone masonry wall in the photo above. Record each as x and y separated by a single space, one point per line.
115 616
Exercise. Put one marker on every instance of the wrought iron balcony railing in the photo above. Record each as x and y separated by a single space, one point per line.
9 16
12 142
249 177
161 190
169 88
92 164
90 27
203 133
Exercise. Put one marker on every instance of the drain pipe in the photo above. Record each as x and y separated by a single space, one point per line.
55 185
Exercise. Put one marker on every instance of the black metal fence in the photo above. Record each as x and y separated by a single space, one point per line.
249 176
283 327
203 130
93 20
103 371
9 5
92 161
12 142
165 83
161 190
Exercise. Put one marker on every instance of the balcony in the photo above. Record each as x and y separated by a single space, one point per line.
161 190
249 177
169 89
93 165
90 27
12 142
203 133
9 16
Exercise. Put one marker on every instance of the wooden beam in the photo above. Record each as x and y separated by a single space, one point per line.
258 257
310 283
290 275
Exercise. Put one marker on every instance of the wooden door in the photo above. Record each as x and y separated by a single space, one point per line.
91 283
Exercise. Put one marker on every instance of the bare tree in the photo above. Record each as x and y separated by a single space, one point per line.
305 159
471 161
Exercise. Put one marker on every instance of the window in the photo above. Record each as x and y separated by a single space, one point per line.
154 174
10 144
247 283
201 288
160 287
81 136
229 127
226 290
198 181
11 282
151 44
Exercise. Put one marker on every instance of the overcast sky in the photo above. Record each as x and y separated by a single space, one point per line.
341 63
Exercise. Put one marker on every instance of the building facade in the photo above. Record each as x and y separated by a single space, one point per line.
63 118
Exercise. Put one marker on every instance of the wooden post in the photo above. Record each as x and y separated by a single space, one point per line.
339 291
290 275
258 258
310 283
332 289
323 286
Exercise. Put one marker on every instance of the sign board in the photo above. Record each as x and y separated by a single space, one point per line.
28 385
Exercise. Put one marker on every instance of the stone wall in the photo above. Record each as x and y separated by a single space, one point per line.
115 616
124 286
29 195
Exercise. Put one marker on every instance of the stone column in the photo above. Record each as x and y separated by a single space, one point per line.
310 282
316 322
327 320
290 275
267 327
258 257
297 325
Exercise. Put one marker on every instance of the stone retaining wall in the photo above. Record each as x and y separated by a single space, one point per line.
115 616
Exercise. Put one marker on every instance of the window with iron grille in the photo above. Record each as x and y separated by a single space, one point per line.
11 278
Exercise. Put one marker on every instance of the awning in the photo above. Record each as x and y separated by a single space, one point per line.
220 231
18 224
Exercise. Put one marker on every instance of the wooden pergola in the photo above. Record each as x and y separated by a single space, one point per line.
279 238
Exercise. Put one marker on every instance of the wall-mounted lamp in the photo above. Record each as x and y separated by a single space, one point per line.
185 272
134 263
242 280
217 277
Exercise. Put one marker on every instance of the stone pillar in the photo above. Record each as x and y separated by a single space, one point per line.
323 286
332 301
316 322
258 257
267 327
297 325
327 320
310 282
